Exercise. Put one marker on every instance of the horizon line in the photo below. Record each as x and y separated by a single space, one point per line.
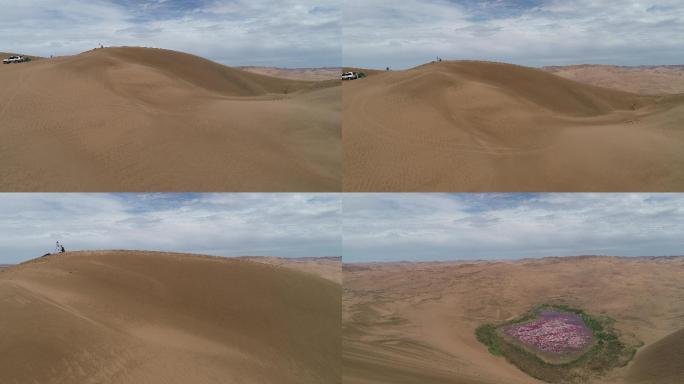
480 260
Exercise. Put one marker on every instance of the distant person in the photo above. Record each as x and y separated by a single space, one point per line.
61 249
58 247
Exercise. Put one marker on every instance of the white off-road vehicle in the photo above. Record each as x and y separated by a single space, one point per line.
16 59
350 76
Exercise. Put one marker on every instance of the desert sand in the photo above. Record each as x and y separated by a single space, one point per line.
147 317
415 322
660 362
306 74
326 267
481 126
142 119
647 80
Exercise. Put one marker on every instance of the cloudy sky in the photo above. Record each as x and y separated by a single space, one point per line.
285 33
406 33
287 225
391 227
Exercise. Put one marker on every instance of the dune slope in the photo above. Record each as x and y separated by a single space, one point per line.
326 267
479 126
660 363
140 119
143 317
408 323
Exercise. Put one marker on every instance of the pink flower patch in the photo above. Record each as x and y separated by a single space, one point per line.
553 332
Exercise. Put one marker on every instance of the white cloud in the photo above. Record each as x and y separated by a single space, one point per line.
404 34
463 226
296 33
290 225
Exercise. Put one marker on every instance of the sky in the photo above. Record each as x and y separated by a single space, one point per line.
435 227
285 225
283 33
360 227
407 33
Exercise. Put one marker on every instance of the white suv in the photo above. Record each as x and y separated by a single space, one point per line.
15 59
349 76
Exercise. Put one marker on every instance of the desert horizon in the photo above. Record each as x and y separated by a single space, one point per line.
293 73
651 79
323 266
505 260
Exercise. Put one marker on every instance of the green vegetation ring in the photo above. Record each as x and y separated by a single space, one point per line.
558 344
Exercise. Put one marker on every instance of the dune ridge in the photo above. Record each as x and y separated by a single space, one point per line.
482 126
143 119
416 322
154 317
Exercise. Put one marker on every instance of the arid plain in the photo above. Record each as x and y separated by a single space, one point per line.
143 119
151 317
647 80
416 322
469 126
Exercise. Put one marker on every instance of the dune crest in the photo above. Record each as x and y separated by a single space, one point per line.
133 317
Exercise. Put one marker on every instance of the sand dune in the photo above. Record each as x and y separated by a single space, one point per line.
409 323
326 267
647 80
306 74
139 119
144 317
660 363
479 126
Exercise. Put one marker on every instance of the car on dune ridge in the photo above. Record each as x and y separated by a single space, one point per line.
353 75
16 59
